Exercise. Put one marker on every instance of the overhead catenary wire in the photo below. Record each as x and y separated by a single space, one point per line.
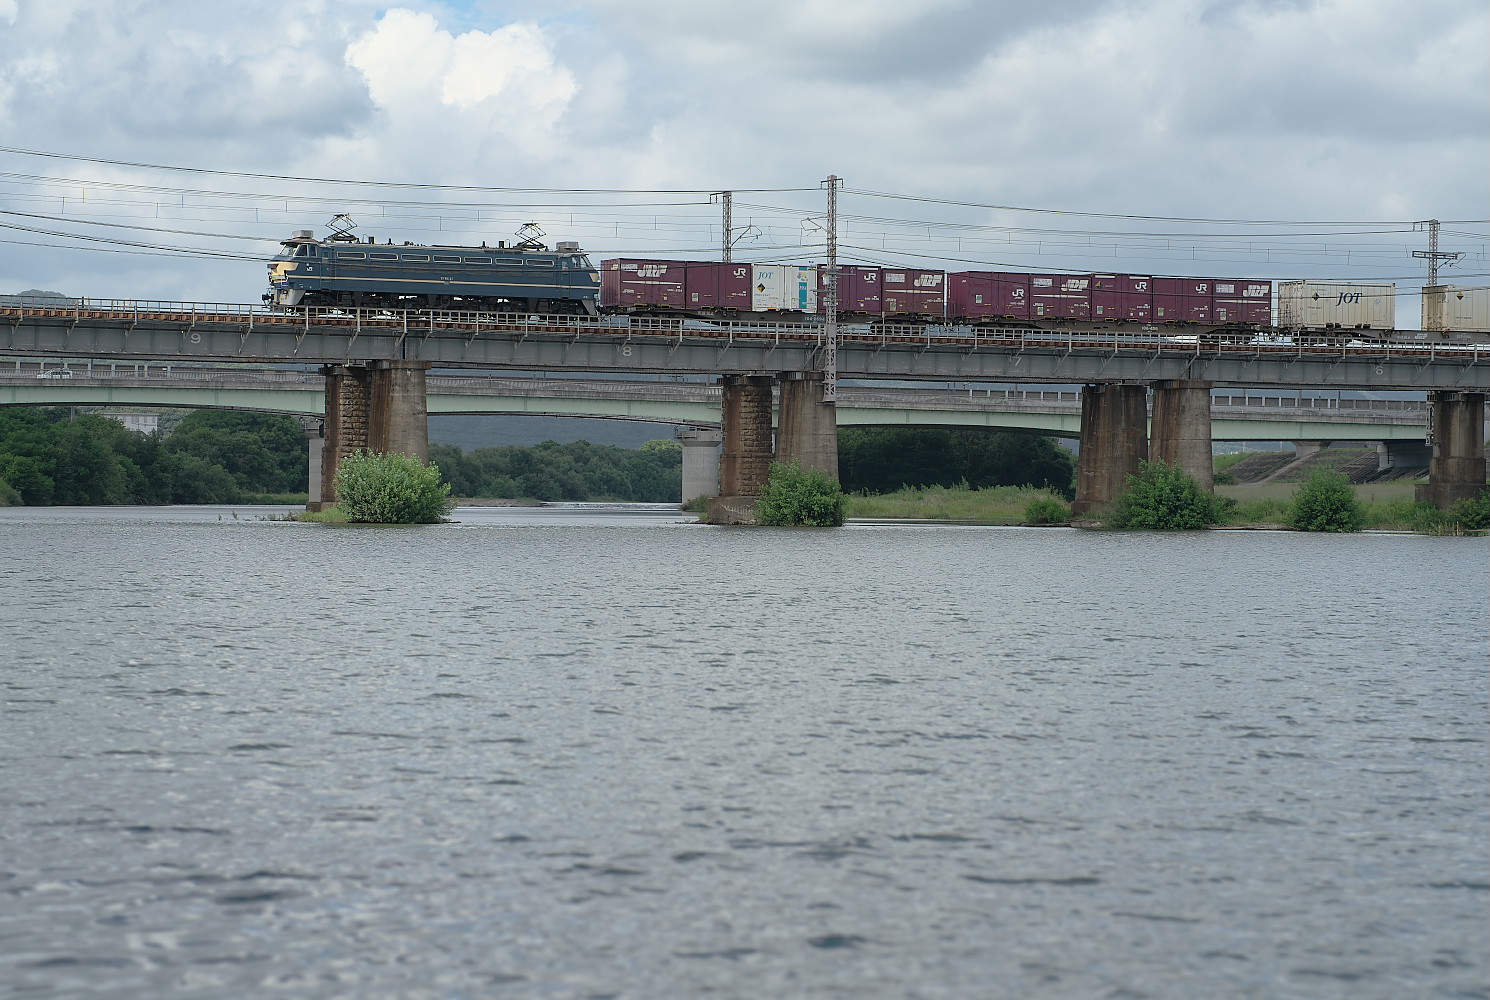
1144 218
407 185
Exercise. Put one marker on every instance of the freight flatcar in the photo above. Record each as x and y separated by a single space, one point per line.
346 272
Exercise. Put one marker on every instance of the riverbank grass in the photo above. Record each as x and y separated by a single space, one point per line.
1006 505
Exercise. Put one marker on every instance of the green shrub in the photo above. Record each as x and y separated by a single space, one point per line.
794 495
1161 497
9 495
391 489
1470 515
1326 502
1046 512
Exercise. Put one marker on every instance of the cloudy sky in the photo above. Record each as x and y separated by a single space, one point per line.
1244 138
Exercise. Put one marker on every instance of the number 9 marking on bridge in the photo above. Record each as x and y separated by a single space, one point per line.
195 338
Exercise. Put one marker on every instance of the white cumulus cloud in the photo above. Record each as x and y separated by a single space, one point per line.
463 89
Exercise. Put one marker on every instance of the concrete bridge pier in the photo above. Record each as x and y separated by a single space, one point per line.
377 407
1181 432
1403 455
746 460
1114 439
1457 471
700 461
315 447
808 429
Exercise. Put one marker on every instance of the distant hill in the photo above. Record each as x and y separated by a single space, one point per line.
37 293
488 430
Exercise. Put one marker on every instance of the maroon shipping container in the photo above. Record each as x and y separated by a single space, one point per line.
973 295
1060 296
858 290
715 285
910 291
1138 298
1242 300
1195 300
630 283
1167 300
1014 295
1182 300
1107 296
1122 297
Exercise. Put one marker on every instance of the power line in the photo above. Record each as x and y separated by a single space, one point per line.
1141 218
403 185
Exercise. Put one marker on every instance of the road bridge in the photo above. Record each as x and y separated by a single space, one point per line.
1258 416
376 390
1398 427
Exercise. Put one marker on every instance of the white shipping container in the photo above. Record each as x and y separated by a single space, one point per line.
1456 310
1326 305
784 286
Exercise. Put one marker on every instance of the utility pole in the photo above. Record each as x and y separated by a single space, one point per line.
830 302
727 199
1433 255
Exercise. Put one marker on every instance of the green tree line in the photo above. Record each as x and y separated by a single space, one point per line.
48 457
883 459
578 470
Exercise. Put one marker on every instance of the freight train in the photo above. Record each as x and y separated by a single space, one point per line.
343 271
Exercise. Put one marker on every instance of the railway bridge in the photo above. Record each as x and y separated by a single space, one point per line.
375 365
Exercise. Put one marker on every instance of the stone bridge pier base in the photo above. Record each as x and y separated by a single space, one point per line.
746 460
700 461
377 407
1181 433
1457 471
1114 439
808 430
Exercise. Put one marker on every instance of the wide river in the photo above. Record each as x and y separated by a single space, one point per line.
591 752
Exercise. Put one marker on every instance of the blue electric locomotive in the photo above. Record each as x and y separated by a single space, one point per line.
343 271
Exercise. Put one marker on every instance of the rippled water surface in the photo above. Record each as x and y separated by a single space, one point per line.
593 753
